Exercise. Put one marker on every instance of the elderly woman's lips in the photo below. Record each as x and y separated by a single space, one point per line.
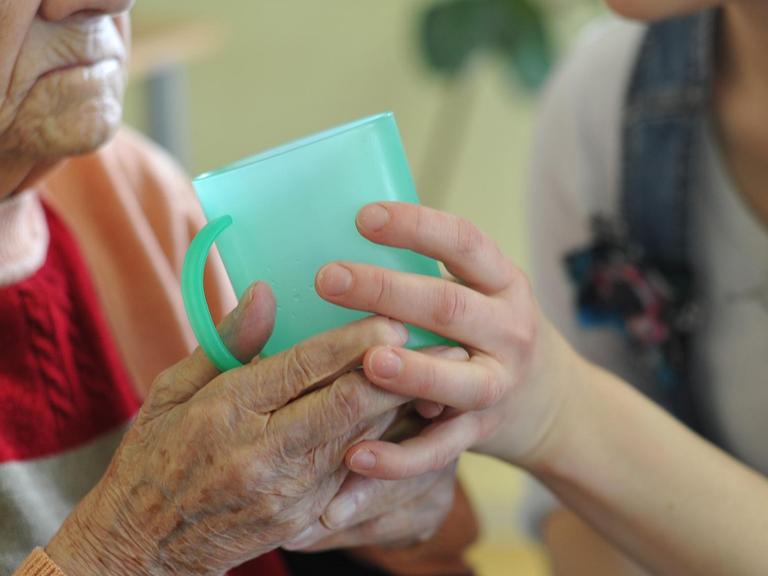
106 63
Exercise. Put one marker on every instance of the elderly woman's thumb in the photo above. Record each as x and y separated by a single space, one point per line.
247 329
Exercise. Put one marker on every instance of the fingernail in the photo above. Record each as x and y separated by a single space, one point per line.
430 410
402 331
339 513
303 540
363 460
386 364
247 298
334 280
454 353
373 218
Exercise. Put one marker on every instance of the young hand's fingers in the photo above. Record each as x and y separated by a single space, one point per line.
434 304
437 446
431 410
473 385
456 353
279 379
466 251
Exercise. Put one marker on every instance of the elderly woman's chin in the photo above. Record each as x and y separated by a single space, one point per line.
70 113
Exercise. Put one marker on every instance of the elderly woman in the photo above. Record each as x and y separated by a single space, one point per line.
215 470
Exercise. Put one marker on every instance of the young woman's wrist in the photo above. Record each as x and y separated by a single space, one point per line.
533 432
566 434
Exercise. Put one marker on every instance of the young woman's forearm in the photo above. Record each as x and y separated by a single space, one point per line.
667 497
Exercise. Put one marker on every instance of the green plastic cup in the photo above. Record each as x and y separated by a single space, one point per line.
281 215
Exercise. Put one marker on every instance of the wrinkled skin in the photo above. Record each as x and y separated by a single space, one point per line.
219 469
62 78
381 512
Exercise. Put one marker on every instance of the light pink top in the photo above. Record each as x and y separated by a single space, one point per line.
133 213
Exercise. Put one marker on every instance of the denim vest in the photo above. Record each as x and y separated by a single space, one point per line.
637 274
667 102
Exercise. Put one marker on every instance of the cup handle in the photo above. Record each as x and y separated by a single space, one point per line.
193 293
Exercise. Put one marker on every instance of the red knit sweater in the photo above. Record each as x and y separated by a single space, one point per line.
63 389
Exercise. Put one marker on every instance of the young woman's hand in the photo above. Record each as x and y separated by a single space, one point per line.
504 399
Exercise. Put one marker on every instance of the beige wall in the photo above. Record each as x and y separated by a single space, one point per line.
289 67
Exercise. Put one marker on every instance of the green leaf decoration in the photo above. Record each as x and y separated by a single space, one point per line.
454 31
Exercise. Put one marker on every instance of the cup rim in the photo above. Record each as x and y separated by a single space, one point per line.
292 146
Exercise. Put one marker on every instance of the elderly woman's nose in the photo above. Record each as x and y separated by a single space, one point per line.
55 10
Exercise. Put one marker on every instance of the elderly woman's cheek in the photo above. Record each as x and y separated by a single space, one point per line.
70 112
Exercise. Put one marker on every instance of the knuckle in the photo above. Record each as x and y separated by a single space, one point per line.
528 332
451 305
299 367
383 289
381 332
423 219
509 272
271 507
427 381
519 285
520 332
163 394
437 460
349 399
524 292
293 524
164 380
490 390
203 417
469 239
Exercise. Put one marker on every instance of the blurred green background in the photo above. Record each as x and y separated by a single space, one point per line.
241 76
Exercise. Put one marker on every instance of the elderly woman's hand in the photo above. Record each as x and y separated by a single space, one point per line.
401 513
382 512
219 469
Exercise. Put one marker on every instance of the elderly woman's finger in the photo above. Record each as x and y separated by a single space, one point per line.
361 498
434 304
428 410
329 413
325 460
438 445
308 538
473 385
245 331
468 253
328 458
405 525
309 365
